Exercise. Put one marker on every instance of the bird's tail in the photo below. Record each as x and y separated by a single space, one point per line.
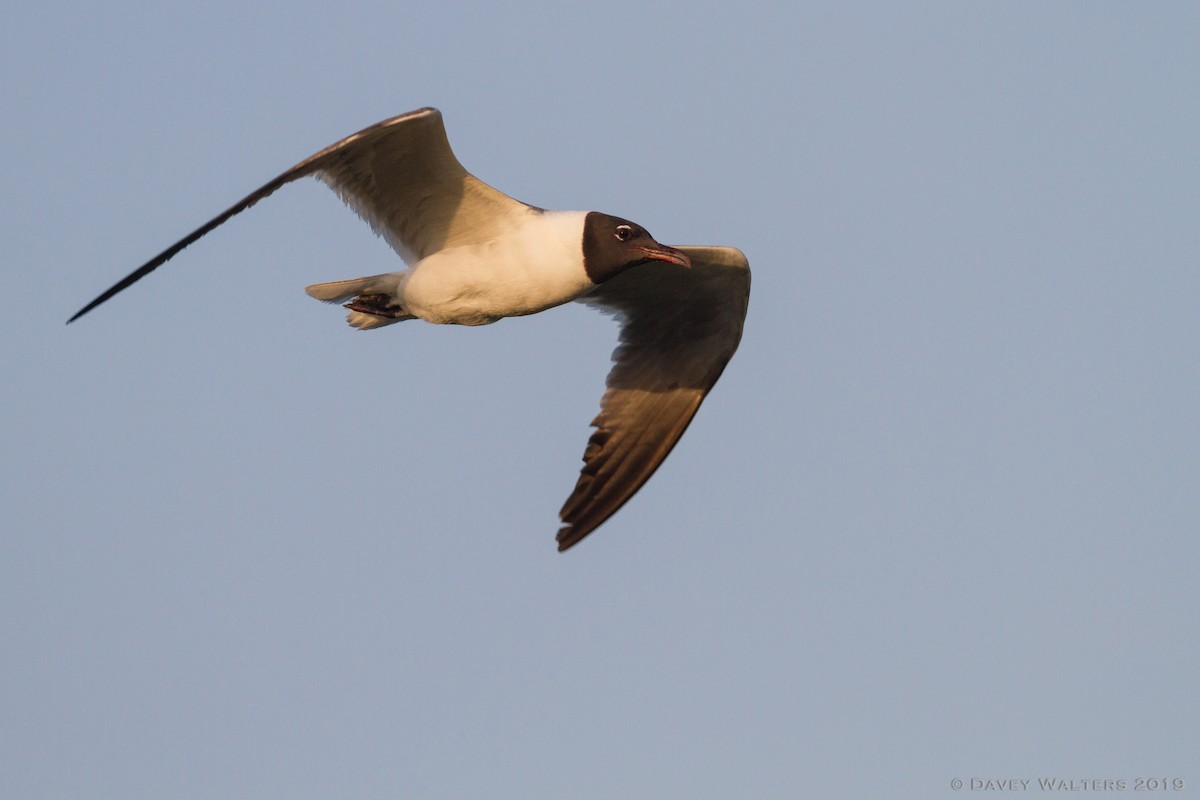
372 301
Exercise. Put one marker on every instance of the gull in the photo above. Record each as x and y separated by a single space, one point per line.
475 255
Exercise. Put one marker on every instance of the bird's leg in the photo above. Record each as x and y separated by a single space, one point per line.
378 305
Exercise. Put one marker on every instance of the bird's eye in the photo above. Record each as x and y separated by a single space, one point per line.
623 232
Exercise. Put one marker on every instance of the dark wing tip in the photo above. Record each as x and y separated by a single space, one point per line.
564 539
572 533
117 287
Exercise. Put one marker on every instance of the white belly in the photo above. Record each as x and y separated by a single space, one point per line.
538 267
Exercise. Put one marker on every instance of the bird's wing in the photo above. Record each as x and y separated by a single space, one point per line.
400 175
679 329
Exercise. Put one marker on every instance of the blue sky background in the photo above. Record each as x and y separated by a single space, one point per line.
938 520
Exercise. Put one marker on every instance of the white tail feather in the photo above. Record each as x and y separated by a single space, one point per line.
341 291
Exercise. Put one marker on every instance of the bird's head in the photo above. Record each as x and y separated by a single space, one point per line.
612 245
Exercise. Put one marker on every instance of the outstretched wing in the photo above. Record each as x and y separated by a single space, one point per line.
679 329
400 175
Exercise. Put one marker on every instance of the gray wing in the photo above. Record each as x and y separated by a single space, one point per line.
679 329
400 175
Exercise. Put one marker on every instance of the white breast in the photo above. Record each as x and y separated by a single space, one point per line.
535 265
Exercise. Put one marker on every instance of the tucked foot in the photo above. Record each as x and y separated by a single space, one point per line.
378 305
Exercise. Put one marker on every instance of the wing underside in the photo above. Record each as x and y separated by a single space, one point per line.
679 328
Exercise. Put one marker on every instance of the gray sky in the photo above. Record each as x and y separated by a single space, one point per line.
937 521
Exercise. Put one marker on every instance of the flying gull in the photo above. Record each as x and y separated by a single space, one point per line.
475 255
